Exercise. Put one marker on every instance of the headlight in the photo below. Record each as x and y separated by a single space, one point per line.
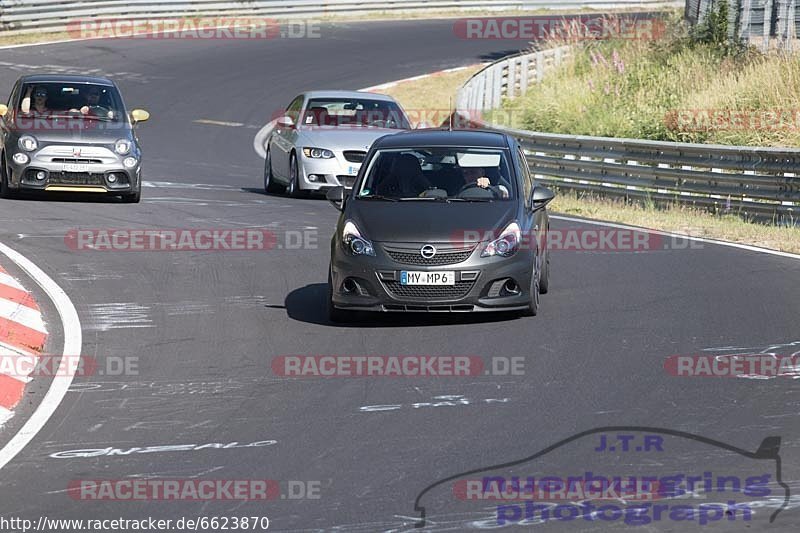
129 162
507 244
122 146
20 159
28 143
317 153
354 242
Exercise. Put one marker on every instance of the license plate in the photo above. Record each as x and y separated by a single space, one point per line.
352 171
427 278
72 167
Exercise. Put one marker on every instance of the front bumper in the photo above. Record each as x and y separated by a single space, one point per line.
96 170
373 283
317 174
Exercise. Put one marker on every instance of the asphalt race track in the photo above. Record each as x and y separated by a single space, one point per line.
206 326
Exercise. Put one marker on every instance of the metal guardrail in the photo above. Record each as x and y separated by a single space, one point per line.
31 16
758 182
772 22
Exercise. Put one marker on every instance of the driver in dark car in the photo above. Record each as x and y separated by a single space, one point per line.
477 176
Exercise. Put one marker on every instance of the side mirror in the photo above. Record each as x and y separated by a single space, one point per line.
139 115
285 122
3 110
336 197
540 197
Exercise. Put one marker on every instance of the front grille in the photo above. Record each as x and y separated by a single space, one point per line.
429 292
76 178
442 257
76 161
346 181
354 156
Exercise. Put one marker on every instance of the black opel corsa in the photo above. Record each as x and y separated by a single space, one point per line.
440 221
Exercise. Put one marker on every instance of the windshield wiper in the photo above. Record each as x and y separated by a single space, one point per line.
78 116
470 200
418 198
378 197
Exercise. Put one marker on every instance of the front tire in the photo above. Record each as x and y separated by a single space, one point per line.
5 190
533 305
294 189
269 179
544 282
132 198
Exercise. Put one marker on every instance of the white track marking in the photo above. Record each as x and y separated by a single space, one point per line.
30 318
210 122
71 327
261 138
16 350
5 415
5 279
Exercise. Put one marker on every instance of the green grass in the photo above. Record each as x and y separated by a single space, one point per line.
661 90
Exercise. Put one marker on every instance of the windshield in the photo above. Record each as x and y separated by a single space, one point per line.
74 100
336 112
439 173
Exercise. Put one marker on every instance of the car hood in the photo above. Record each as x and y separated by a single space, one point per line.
427 221
342 137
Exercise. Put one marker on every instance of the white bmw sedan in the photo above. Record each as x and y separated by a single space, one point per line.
321 139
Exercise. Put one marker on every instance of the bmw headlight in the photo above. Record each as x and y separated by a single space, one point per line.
354 242
28 143
317 153
506 245
122 146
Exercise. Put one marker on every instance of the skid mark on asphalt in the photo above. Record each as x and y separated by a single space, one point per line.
186 200
182 185
172 388
88 272
118 315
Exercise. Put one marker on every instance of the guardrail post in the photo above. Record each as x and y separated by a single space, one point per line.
497 86
511 81
523 73
539 66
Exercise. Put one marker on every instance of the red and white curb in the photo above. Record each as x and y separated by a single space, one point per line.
70 326
22 335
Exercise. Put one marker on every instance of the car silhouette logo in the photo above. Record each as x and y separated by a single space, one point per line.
427 251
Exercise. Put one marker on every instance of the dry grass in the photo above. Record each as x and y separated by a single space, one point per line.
430 97
32 38
671 89
680 219
436 91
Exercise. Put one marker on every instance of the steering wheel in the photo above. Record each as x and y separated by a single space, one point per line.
474 185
